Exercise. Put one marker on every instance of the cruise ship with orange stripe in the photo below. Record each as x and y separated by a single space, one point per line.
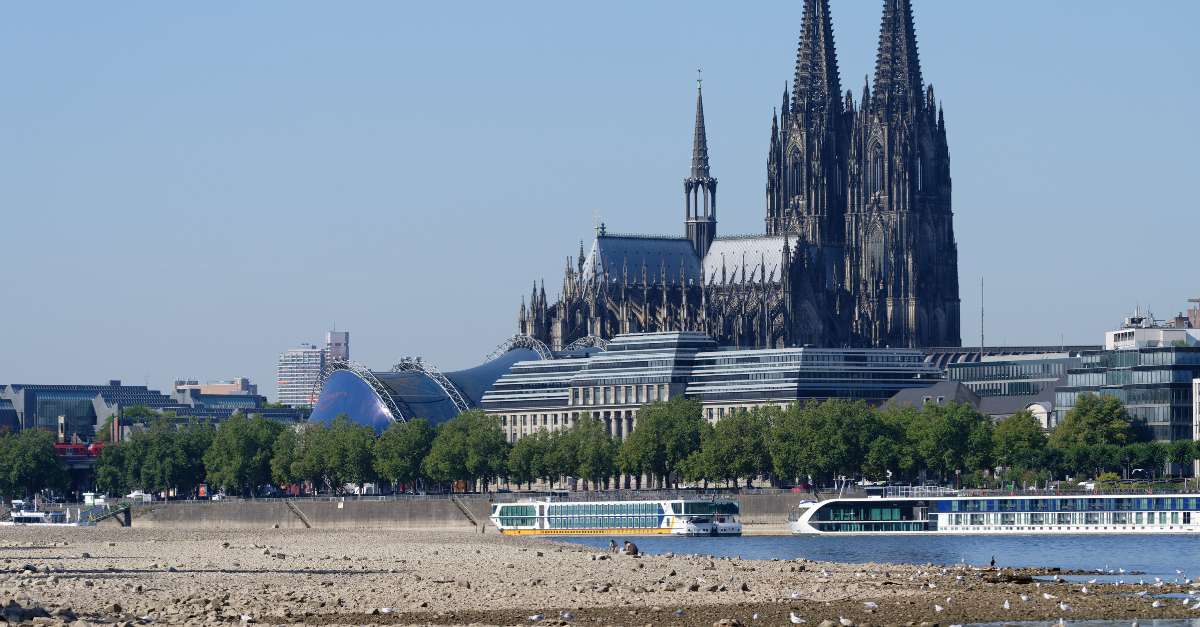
681 517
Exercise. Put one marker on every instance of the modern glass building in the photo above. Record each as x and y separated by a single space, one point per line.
642 367
1155 383
1013 375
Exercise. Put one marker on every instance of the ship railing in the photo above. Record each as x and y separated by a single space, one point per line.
901 492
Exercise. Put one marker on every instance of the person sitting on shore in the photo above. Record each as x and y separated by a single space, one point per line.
630 548
612 545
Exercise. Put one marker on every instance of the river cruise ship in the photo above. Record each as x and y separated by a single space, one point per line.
681 517
948 512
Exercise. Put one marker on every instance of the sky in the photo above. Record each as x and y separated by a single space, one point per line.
189 189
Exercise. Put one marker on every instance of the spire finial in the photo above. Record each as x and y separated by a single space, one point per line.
698 79
597 223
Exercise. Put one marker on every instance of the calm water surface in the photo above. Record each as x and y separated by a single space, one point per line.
1157 556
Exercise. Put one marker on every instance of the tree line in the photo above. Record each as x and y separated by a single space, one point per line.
671 442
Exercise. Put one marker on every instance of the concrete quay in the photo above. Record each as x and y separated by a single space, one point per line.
762 514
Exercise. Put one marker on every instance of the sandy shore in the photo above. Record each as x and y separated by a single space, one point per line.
95 575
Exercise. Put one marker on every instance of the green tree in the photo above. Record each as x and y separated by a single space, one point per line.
241 452
400 450
469 446
1156 456
525 458
348 451
1093 420
794 446
29 463
597 452
1182 453
670 431
1018 431
737 445
111 474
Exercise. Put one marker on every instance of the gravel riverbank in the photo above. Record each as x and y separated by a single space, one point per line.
80 576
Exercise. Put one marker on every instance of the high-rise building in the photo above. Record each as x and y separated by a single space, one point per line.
859 248
298 372
337 345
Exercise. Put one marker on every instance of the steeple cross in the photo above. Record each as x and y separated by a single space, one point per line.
597 224
698 79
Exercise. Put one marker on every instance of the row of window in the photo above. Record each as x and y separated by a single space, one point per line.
1008 371
859 513
894 526
1130 377
620 395
1012 505
1071 518
605 522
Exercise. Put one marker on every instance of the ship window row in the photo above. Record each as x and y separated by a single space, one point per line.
604 509
862 513
861 527
1070 518
604 522
1072 504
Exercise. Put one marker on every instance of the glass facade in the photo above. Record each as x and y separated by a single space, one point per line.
642 367
1024 377
1154 383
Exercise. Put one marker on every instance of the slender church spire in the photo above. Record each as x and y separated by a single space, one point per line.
700 189
897 68
700 142
817 85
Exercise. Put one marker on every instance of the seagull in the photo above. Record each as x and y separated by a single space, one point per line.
1195 607
1038 585
824 573
1092 581
1178 571
1064 607
386 610
1007 605
871 604
701 580
937 608
1135 623
1158 579
731 577
1141 581
567 615
846 622
1048 596
960 577
247 619
933 585
797 595
1158 585
1121 570
1156 603
755 617
1085 590
1025 598
796 620
536 617
1140 594
948 600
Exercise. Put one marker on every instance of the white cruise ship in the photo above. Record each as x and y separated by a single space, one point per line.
685 517
950 512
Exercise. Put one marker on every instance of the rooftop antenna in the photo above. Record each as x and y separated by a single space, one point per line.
981 318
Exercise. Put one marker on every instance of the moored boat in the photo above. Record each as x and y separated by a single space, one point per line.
952 512
685 517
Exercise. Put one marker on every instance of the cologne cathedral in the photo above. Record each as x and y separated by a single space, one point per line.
859 248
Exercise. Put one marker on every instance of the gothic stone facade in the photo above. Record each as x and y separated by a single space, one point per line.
859 248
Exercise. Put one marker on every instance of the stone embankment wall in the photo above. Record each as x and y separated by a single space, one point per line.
761 514
440 514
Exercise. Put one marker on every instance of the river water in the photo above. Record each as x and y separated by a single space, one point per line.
1157 556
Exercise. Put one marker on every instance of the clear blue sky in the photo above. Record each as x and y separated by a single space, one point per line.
188 189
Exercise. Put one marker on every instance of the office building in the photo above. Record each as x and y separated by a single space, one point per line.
337 345
299 369
638 368
238 386
1020 375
